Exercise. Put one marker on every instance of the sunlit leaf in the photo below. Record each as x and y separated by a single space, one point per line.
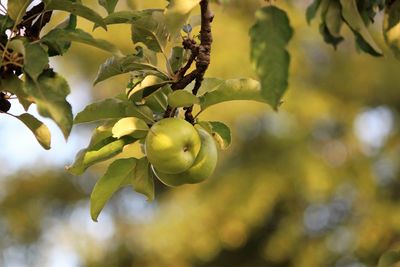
131 126
116 176
234 89
147 86
181 98
37 127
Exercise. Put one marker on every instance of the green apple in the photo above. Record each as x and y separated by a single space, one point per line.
202 168
172 145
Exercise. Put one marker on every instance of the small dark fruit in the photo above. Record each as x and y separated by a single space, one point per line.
5 105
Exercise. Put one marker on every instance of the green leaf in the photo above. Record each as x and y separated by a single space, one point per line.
61 46
234 89
143 180
329 38
178 12
37 127
103 110
5 23
14 85
353 18
116 176
176 58
77 9
109 5
49 92
57 38
150 84
269 38
219 131
151 31
35 60
101 151
391 28
333 18
129 16
181 98
131 126
158 101
16 9
389 258
312 10
140 111
120 65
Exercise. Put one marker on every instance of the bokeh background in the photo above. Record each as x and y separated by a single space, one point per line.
316 184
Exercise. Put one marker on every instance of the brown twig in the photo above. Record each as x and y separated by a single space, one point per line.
199 53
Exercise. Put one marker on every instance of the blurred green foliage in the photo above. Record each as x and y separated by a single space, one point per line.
316 184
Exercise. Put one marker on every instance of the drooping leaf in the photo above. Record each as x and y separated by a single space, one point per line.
16 9
312 10
35 60
151 31
389 258
269 38
59 47
143 180
219 131
37 127
178 12
329 38
57 38
109 5
120 65
131 126
14 85
234 89
103 110
391 28
77 9
333 18
181 98
49 92
103 150
353 18
117 175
